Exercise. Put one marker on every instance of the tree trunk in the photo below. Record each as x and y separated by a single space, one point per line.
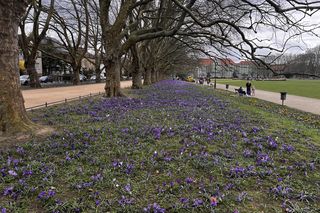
112 87
13 117
76 72
98 74
157 75
97 68
147 77
32 72
136 71
153 76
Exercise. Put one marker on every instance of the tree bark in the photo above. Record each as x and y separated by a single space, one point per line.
98 74
136 71
147 77
76 72
112 64
153 76
32 72
13 116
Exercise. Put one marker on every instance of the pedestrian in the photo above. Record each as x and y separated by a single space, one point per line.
253 90
241 91
248 85
208 80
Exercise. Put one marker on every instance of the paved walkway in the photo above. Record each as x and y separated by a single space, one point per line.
298 102
35 97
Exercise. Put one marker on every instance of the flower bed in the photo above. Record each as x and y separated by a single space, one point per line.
175 147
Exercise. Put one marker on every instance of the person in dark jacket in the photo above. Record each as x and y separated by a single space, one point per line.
248 85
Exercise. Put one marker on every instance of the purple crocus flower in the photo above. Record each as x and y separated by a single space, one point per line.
189 180
263 158
272 143
42 195
241 196
197 202
129 168
97 177
20 150
8 191
3 172
237 171
125 201
154 208
287 148
157 132
157 208
127 187
12 173
184 200
51 193
27 173
247 153
255 129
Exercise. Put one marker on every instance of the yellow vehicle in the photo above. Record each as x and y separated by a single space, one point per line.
190 79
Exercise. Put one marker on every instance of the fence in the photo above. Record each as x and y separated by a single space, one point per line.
66 100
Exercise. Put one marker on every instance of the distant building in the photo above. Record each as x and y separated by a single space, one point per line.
221 68
246 68
53 59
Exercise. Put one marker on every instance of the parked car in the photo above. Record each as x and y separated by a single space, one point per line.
82 77
24 79
190 79
93 78
45 79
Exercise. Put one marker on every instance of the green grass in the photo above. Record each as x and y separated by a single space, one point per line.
305 88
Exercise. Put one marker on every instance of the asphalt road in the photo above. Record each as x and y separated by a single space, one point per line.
35 97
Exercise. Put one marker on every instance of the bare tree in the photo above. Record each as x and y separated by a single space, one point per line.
38 17
95 37
71 25
119 37
13 117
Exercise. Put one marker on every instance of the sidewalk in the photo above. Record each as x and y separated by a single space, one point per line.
297 102
34 97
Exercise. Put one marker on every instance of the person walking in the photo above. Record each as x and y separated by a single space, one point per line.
248 85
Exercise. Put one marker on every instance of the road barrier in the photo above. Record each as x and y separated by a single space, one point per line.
66 100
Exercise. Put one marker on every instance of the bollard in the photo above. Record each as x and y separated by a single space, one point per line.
227 86
46 104
283 97
65 100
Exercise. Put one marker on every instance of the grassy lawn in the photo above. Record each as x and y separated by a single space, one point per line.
306 88
171 147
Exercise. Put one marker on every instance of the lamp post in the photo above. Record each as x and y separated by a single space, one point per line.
283 97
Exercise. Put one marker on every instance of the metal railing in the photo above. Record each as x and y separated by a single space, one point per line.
66 100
